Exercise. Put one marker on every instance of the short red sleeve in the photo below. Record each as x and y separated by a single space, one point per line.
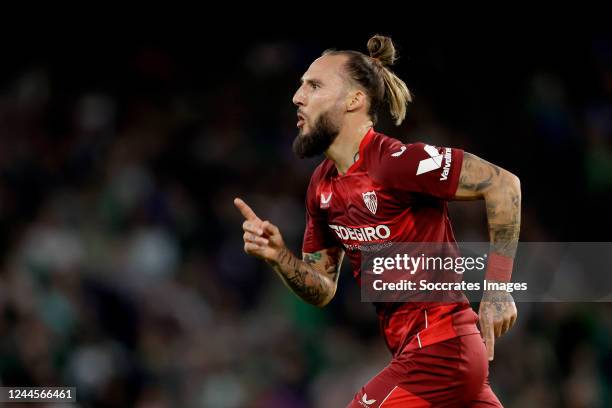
419 167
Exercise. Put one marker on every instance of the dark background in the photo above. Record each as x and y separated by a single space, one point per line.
122 265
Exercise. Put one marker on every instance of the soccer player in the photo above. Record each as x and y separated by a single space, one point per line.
373 188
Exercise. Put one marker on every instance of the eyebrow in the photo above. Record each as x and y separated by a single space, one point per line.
311 81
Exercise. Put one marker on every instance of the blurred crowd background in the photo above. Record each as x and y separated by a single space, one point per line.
123 272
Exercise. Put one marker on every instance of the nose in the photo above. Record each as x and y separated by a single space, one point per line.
298 98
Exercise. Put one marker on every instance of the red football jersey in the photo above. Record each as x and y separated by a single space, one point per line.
394 192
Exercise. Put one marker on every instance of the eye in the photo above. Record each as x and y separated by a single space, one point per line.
314 85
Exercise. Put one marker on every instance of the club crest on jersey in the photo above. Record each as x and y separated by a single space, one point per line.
325 199
369 198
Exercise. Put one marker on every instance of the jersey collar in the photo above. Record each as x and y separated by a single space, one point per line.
364 143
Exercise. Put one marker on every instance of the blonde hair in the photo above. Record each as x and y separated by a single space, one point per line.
378 81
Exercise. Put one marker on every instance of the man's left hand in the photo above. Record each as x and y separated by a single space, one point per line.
497 315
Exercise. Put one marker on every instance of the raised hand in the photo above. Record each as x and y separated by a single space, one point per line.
262 239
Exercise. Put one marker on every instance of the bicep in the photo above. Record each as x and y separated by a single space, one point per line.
327 261
477 177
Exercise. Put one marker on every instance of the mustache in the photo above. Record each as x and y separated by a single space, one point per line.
318 139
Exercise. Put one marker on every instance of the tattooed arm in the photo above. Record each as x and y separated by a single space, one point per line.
501 191
314 278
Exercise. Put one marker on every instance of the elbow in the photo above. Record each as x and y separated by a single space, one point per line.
512 183
513 193
322 304
516 184
325 300
507 187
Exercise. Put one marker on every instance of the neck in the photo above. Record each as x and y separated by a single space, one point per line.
344 151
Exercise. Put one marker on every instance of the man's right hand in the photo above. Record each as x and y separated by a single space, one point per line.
262 239
314 278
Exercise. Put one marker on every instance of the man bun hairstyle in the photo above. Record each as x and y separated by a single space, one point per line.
377 80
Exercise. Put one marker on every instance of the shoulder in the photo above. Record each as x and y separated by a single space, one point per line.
416 167
382 143
386 155
382 147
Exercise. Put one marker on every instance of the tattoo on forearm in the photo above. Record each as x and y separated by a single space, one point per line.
504 218
304 279
312 258
504 238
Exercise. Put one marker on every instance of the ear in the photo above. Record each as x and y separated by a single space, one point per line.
355 100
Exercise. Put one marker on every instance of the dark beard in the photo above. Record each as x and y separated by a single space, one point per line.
318 140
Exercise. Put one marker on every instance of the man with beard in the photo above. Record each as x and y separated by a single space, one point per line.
373 189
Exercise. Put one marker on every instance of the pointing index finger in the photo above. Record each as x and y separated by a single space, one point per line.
245 210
